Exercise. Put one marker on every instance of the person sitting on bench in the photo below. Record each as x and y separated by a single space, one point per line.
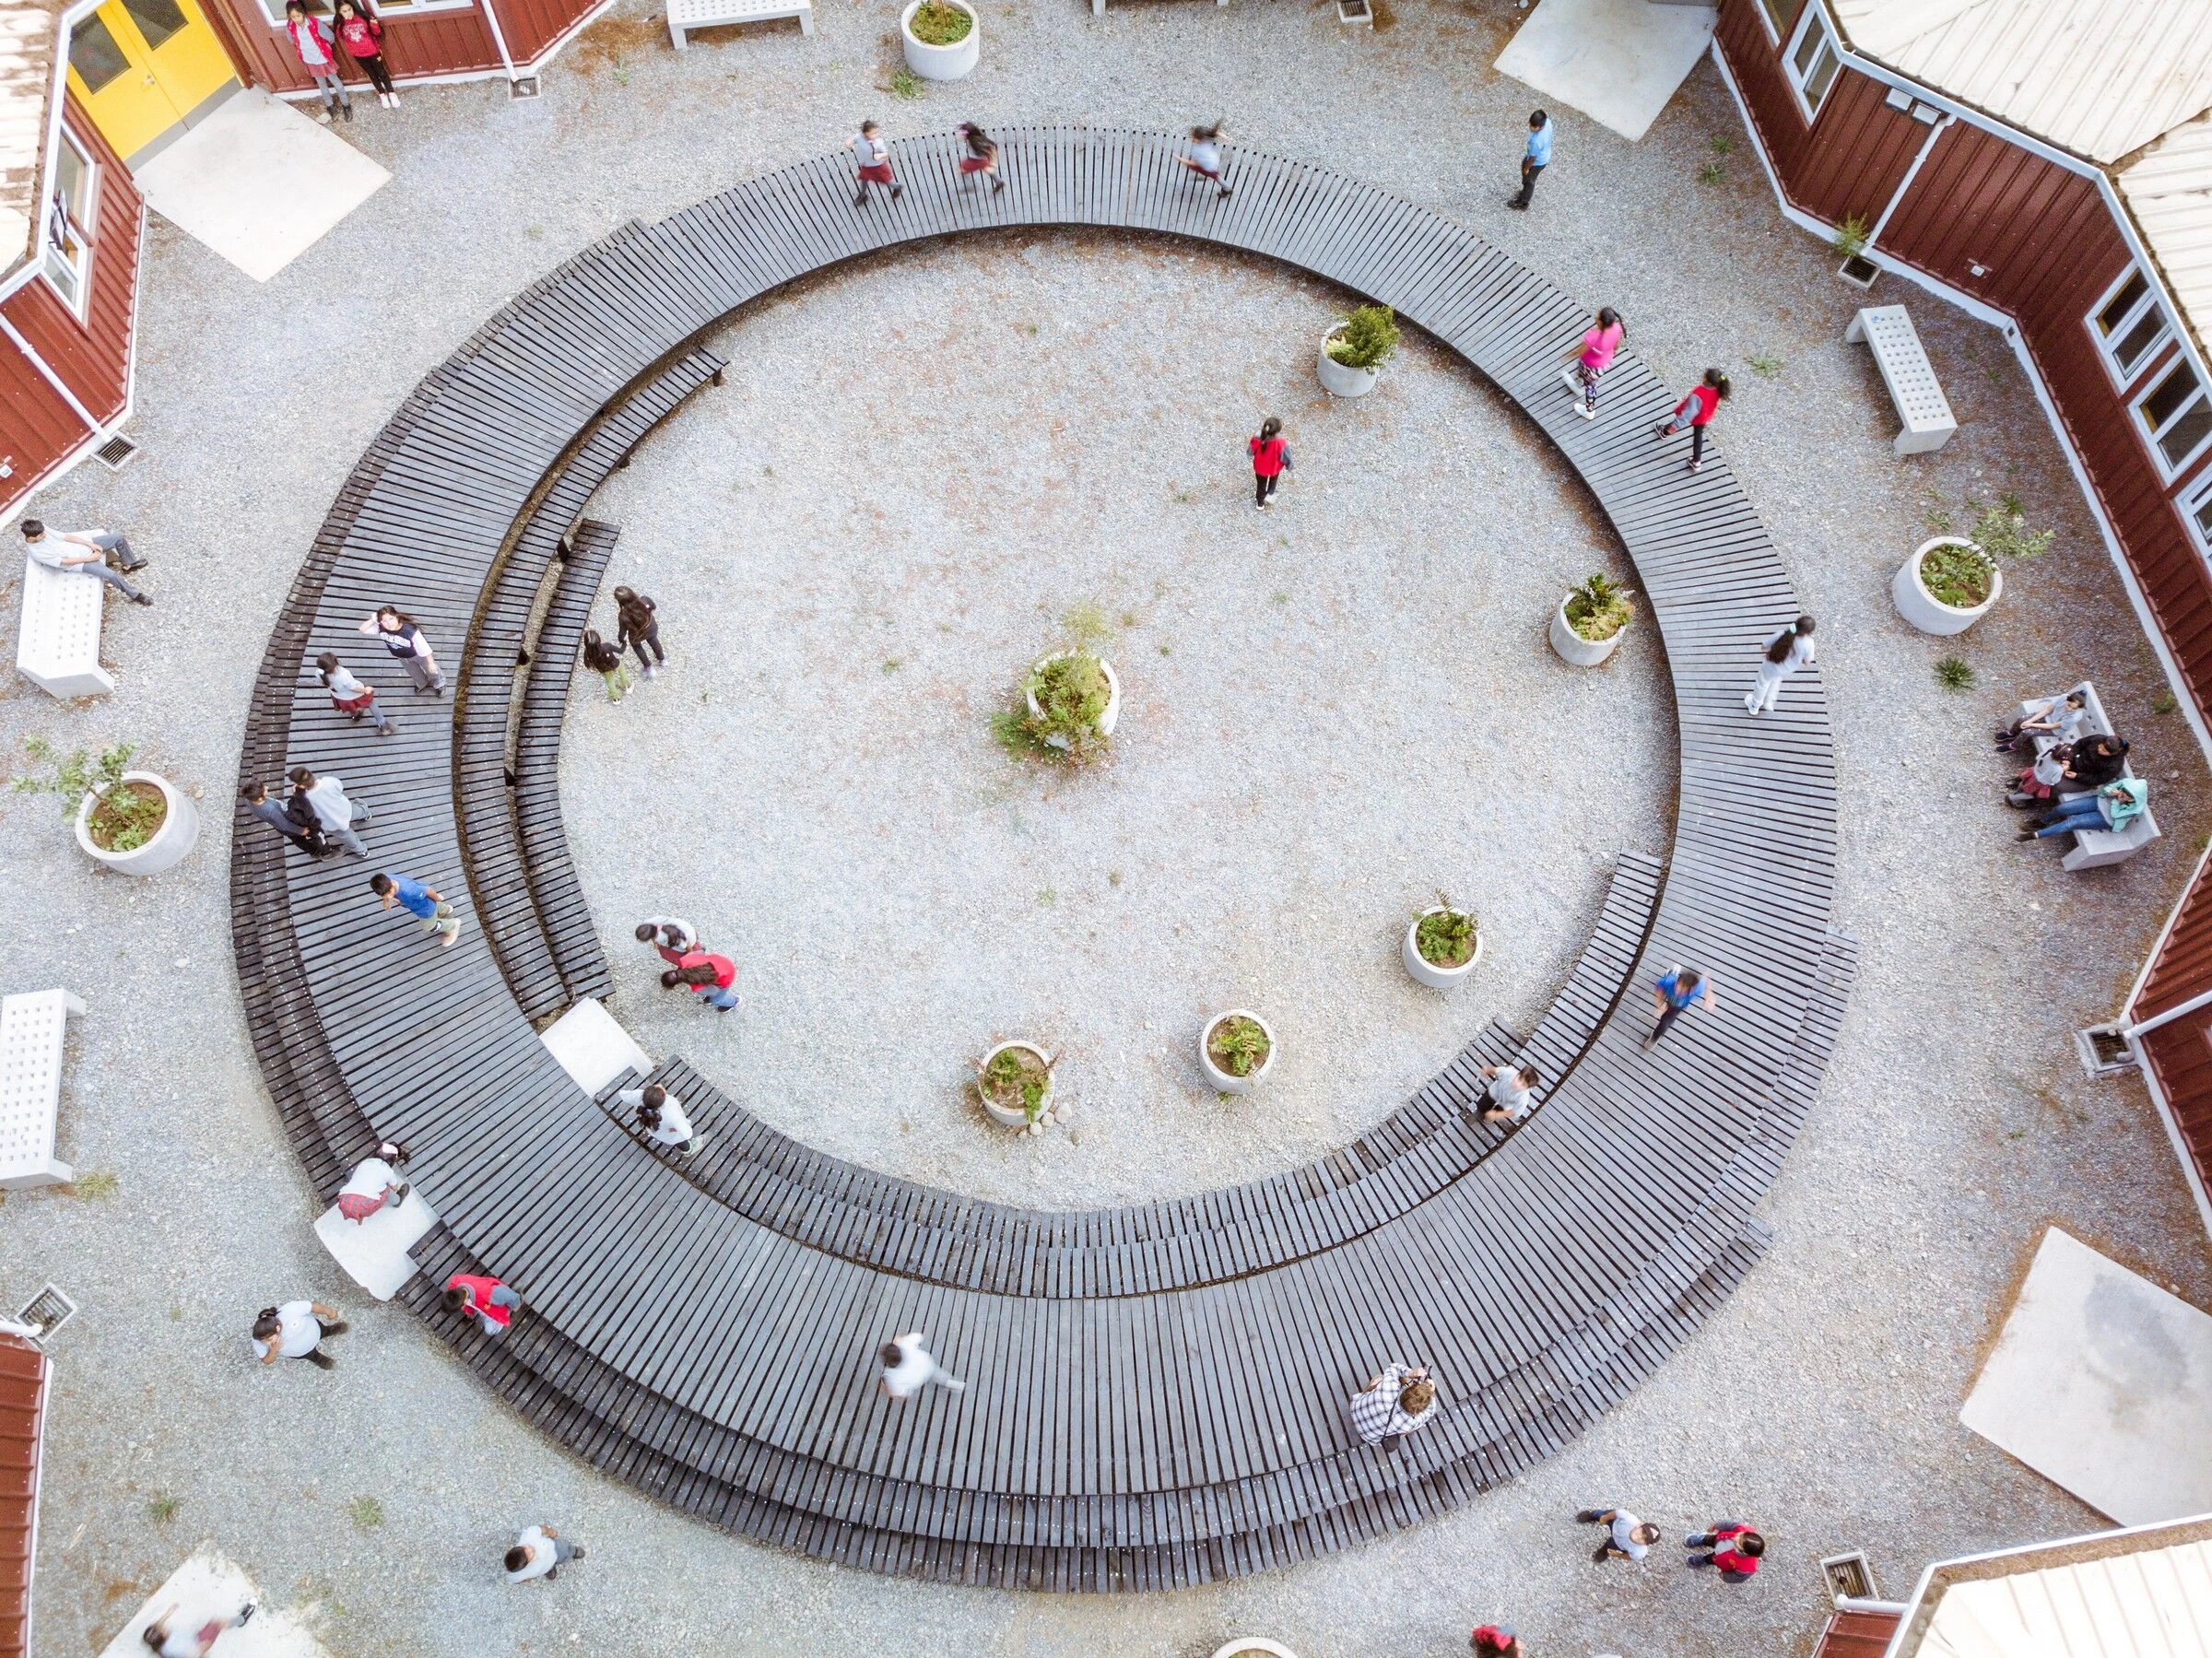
2097 760
374 1185
2064 718
2113 806
2038 784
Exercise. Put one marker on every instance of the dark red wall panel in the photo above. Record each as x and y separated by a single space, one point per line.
439 42
39 429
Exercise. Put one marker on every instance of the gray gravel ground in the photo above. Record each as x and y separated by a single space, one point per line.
1822 1400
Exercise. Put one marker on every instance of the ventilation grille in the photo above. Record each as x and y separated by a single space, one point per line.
49 1310
522 86
116 452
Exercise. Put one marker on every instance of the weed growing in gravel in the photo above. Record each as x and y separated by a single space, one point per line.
1184 498
1047 897
1712 172
1279 596
1934 514
1165 651
365 1511
97 1184
906 84
1087 624
2163 703
161 1509
1113 878
1766 367
891 664
1954 674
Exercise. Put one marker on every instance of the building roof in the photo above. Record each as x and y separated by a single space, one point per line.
2168 188
2099 78
28 31
2142 1593
22 1420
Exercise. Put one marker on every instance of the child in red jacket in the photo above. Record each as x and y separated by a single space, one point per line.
1735 1549
1696 411
361 32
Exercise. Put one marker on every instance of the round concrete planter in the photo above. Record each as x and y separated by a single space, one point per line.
1221 1079
1572 647
941 63
1016 1118
179 830
1927 612
1340 381
1253 1644
1114 699
1426 971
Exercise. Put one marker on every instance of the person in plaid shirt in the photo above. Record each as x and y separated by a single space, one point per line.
1394 1404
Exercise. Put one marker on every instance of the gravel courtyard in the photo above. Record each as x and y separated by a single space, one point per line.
901 471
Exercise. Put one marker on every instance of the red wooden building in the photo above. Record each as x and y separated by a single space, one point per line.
2045 165
91 88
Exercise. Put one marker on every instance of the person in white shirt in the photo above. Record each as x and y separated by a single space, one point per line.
908 1369
85 553
872 156
348 695
296 1330
1394 1404
334 811
661 1117
540 1552
673 939
1512 1093
1627 1537
1205 159
1788 651
373 1185
195 1639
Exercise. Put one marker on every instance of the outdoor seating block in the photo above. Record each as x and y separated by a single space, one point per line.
1098 7
375 1252
1887 332
710 14
31 1029
58 644
2093 849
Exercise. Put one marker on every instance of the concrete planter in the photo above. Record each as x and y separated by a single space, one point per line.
1114 699
1426 971
1927 612
1016 1118
1340 381
1253 1644
941 63
1221 1079
1572 647
180 829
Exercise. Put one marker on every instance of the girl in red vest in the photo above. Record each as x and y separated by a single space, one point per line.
1696 411
1270 460
710 975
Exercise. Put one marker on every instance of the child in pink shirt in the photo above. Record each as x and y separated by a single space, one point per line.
1592 358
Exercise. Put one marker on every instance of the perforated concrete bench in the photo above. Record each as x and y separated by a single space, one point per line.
711 13
31 1027
1098 7
58 646
2093 849
1887 331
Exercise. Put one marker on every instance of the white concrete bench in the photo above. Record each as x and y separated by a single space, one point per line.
31 1027
711 13
2093 849
58 643
1098 7
1887 331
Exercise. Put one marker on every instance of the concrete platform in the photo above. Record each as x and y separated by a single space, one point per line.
375 1252
1617 60
209 1585
592 1048
2102 1382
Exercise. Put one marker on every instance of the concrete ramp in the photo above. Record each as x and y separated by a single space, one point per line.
1617 60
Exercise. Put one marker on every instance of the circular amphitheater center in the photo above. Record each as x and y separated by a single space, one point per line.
1330 712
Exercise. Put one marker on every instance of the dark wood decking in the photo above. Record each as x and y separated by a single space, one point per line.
1155 1392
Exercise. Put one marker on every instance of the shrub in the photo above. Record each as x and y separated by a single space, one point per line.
1014 1077
1071 693
1447 937
1954 674
1237 1045
127 814
1852 236
2001 530
936 24
1958 575
1597 610
1367 337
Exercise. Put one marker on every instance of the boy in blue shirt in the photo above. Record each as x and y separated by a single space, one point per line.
420 901
1533 159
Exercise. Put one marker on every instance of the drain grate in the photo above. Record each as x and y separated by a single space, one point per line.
116 452
522 86
1850 1577
48 1312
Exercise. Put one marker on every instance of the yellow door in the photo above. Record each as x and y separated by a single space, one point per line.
140 67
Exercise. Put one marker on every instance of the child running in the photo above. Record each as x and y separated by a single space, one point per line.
1696 411
982 156
1592 358
1205 159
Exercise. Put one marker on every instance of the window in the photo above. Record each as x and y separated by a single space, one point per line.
157 19
2130 327
1775 15
274 10
94 54
68 215
2176 416
1812 63
2197 507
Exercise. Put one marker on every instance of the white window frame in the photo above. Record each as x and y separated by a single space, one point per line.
1765 17
2197 498
2152 298
327 11
79 307
2168 470
1814 18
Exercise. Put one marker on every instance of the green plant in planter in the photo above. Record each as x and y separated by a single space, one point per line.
1446 938
1852 236
1367 339
1239 1046
127 814
1958 575
1071 693
936 24
1597 610
1010 1076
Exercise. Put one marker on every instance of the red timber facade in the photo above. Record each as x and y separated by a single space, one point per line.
68 316
2040 242
425 41
23 1385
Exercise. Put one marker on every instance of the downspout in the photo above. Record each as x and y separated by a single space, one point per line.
1905 183
499 39
47 375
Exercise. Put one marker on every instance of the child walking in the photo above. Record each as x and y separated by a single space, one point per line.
982 156
1592 358
361 32
604 659
349 696
1270 460
1784 653
874 159
1205 159
1695 412
639 628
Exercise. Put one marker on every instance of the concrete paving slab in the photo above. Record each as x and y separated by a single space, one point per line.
208 1586
259 182
2102 1382
375 1252
592 1048
1617 60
